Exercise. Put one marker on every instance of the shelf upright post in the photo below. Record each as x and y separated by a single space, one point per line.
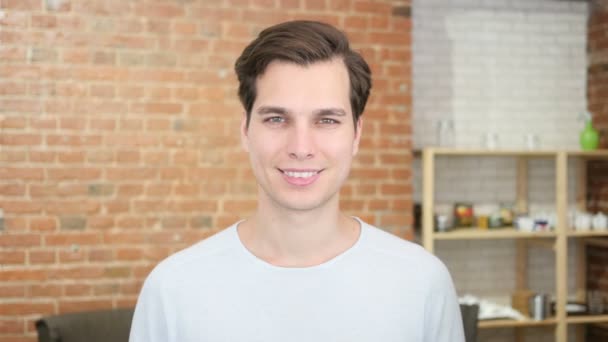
561 246
581 246
428 193
521 258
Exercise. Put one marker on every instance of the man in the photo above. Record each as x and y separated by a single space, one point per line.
298 269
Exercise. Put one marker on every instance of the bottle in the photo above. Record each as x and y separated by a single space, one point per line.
589 138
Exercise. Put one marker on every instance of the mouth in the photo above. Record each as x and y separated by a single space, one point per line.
300 173
300 177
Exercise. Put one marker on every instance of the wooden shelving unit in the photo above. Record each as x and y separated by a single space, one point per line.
490 234
556 239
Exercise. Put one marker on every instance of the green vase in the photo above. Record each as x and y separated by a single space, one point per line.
590 138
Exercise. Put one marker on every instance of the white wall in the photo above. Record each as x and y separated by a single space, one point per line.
510 67
503 66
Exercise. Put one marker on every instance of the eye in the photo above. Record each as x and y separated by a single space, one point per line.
328 121
274 119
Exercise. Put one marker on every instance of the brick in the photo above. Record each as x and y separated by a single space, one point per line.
72 256
73 173
129 254
124 238
20 207
201 221
45 290
67 306
106 289
42 54
26 308
103 156
44 21
343 6
12 257
12 88
72 222
65 238
315 5
14 190
158 93
393 189
43 224
100 255
13 156
75 140
116 206
78 290
161 11
129 222
20 139
72 157
235 206
47 89
22 275
374 7
30 5
14 224
12 327
101 189
184 28
117 272
41 257
11 291
130 174
42 156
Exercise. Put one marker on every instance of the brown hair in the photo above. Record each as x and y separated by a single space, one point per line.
301 42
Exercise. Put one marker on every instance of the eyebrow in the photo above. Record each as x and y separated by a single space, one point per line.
272 110
330 111
284 111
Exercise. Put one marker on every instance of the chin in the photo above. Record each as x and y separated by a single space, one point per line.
297 203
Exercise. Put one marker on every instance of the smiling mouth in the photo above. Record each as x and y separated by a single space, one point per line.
300 174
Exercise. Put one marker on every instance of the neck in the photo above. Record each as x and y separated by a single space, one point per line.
298 238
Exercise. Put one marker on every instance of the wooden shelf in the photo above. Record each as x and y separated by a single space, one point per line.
587 319
491 153
599 154
512 323
488 234
589 233
556 240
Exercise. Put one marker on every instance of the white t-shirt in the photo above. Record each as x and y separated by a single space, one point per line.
382 289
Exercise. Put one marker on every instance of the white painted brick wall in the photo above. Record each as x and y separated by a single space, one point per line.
510 67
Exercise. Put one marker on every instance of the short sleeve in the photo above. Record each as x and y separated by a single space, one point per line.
443 320
150 320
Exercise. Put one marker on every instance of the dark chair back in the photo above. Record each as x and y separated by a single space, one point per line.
92 326
469 321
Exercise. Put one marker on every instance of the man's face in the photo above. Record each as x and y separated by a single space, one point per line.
301 138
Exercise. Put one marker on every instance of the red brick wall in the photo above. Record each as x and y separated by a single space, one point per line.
597 258
119 138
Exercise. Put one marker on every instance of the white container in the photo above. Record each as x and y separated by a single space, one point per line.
582 221
599 222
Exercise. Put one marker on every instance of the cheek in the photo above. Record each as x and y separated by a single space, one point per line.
263 149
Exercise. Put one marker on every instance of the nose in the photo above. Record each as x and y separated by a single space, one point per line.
301 143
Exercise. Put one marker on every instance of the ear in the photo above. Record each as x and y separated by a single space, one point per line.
357 139
244 137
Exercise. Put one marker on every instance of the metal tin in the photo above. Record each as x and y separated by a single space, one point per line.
539 307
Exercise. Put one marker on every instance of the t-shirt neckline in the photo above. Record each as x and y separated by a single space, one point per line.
257 260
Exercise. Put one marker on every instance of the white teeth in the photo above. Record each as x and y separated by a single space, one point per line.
300 174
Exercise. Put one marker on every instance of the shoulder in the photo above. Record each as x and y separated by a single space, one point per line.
203 255
401 254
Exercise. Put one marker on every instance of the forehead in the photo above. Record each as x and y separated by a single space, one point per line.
321 83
